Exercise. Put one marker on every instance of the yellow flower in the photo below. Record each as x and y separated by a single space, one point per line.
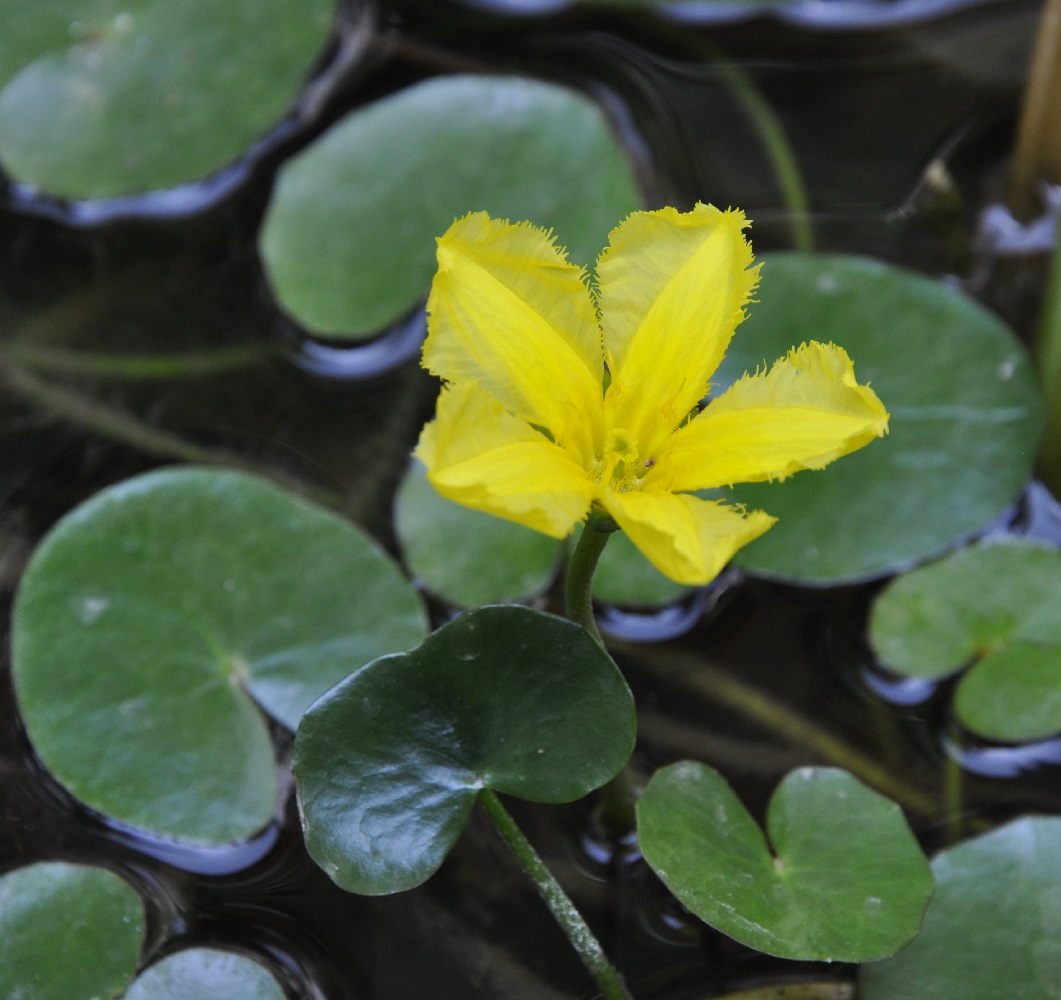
548 410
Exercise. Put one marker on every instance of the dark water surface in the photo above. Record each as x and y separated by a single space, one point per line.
901 130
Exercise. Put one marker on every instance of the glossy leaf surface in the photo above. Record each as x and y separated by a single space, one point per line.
158 621
963 436
996 607
841 877
991 928
114 97
390 762
67 932
349 239
205 974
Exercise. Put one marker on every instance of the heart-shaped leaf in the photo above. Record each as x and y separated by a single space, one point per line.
349 238
390 762
157 619
845 880
991 928
113 97
67 932
205 974
996 606
963 436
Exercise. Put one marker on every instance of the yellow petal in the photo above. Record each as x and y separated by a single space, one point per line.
807 411
480 456
672 289
508 311
686 538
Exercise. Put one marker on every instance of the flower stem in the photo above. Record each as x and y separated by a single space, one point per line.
1048 358
579 583
563 910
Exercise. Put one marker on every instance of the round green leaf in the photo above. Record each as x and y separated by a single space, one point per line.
963 436
846 880
349 239
465 556
991 928
156 619
995 606
114 97
205 974
67 932
390 762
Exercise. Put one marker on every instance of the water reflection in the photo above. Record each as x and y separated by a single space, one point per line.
197 859
1005 761
670 622
352 361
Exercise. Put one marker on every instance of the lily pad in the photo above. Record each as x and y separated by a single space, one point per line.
205 974
963 436
67 932
349 238
157 621
845 879
996 607
991 928
390 762
114 97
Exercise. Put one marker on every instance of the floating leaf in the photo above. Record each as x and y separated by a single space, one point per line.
991 928
114 97
349 238
465 556
205 974
155 620
845 879
390 762
996 606
67 932
963 436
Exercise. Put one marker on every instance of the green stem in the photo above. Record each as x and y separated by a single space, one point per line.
1048 359
778 151
104 420
563 910
579 582
1037 152
953 795
133 366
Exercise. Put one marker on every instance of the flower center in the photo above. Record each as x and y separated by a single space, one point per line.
620 468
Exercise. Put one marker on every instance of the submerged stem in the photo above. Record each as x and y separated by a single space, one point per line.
1048 359
563 910
134 366
579 582
778 151
1037 156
